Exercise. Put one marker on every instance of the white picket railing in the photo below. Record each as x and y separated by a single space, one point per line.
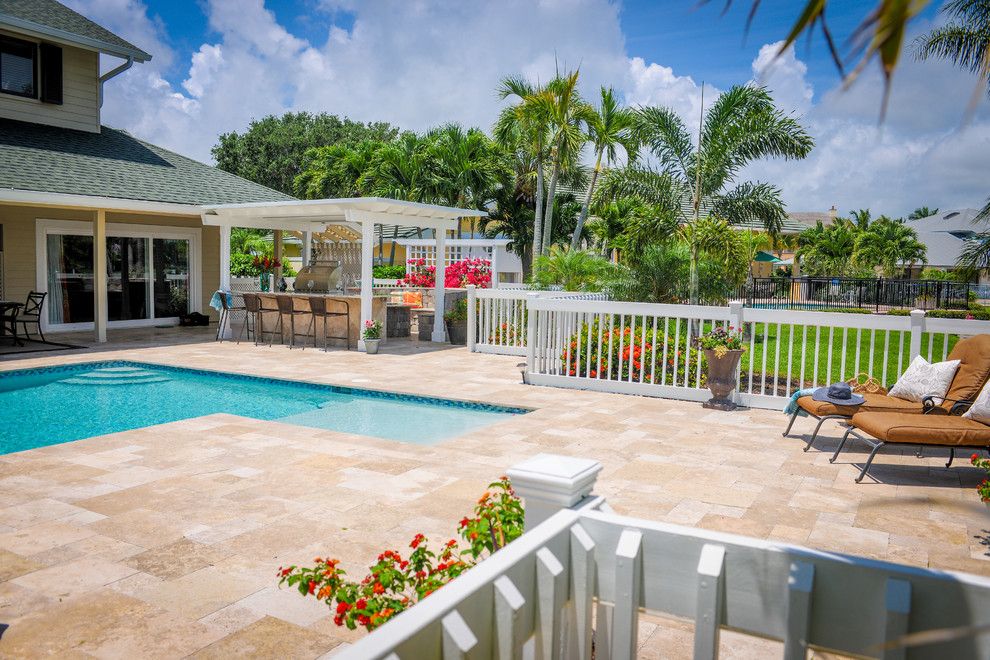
497 317
647 349
580 576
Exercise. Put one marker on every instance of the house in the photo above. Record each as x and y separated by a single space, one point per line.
107 224
945 234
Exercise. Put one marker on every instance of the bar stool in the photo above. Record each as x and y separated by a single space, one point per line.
318 305
287 307
252 316
225 309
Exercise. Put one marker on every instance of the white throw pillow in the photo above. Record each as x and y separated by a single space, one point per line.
923 378
980 410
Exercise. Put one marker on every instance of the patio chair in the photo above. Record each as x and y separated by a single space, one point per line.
225 309
287 307
30 314
879 429
973 354
252 317
8 322
321 308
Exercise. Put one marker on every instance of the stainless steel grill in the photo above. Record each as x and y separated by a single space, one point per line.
320 276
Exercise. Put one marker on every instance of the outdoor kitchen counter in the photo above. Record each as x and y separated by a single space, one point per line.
303 321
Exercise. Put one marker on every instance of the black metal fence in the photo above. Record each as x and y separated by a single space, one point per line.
820 293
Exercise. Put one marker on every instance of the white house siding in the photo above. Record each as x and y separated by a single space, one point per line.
80 103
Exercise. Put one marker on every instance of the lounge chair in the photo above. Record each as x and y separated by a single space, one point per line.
973 354
878 429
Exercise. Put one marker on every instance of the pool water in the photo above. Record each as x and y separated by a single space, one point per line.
47 406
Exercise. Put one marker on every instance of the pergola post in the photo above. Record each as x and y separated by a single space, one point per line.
225 270
439 335
367 256
100 276
307 247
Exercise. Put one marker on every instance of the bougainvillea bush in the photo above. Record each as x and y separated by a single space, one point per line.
638 358
396 582
457 275
984 486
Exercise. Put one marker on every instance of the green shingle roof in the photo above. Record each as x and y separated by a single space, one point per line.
57 20
113 163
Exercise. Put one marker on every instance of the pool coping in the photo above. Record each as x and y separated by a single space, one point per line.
441 402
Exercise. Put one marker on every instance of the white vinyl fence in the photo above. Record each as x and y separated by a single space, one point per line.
580 576
648 349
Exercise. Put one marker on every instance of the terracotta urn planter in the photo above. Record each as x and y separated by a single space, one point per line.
721 374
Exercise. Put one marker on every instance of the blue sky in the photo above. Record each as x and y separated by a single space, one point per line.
218 64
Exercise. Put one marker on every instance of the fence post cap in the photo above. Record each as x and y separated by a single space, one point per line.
554 479
736 306
917 313
470 286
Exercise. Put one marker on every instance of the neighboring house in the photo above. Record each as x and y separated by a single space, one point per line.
944 235
105 223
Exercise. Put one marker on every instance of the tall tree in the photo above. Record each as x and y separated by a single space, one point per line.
827 251
888 243
741 126
271 150
609 127
524 127
336 171
976 254
565 112
964 40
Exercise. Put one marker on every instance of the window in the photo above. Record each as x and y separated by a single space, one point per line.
18 71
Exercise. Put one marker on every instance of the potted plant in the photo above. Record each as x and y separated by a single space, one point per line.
265 266
372 335
983 489
722 348
456 321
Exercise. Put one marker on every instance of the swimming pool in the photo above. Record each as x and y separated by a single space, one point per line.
51 405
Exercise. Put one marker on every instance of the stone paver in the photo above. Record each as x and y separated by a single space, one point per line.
164 541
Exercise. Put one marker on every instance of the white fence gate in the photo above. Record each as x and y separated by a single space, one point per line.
583 575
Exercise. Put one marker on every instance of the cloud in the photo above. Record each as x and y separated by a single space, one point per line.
419 64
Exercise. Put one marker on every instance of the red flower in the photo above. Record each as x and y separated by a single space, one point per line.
465 522
312 586
338 620
342 608
360 604
378 588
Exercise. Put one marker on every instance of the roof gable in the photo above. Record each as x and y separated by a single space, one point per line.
55 20
113 163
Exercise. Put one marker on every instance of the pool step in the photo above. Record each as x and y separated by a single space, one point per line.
115 376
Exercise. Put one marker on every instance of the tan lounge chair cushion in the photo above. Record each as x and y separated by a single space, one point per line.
874 402
944 430
974 368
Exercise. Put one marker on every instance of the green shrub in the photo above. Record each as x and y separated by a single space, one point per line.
389 271
980 314
635 360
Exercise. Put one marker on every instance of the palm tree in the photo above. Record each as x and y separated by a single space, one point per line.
336 170
964 41
827 251
560 103
922 212
400 170
524 127
887 244
742 125
574 270
976 254
611 220
858 220
609 127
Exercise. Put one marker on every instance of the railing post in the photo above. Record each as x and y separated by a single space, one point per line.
917 327
531 318
737 321
549 483
472 317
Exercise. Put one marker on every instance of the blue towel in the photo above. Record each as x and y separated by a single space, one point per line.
215 300
792 404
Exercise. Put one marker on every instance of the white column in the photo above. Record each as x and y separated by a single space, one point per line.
367 257
441 262
494 266
225 271
307 247
472 319
549 483
100 275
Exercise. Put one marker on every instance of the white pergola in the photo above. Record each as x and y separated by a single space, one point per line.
359 214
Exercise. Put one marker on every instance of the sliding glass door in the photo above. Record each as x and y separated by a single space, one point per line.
150 273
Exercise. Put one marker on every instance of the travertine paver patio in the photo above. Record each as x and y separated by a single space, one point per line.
164 541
